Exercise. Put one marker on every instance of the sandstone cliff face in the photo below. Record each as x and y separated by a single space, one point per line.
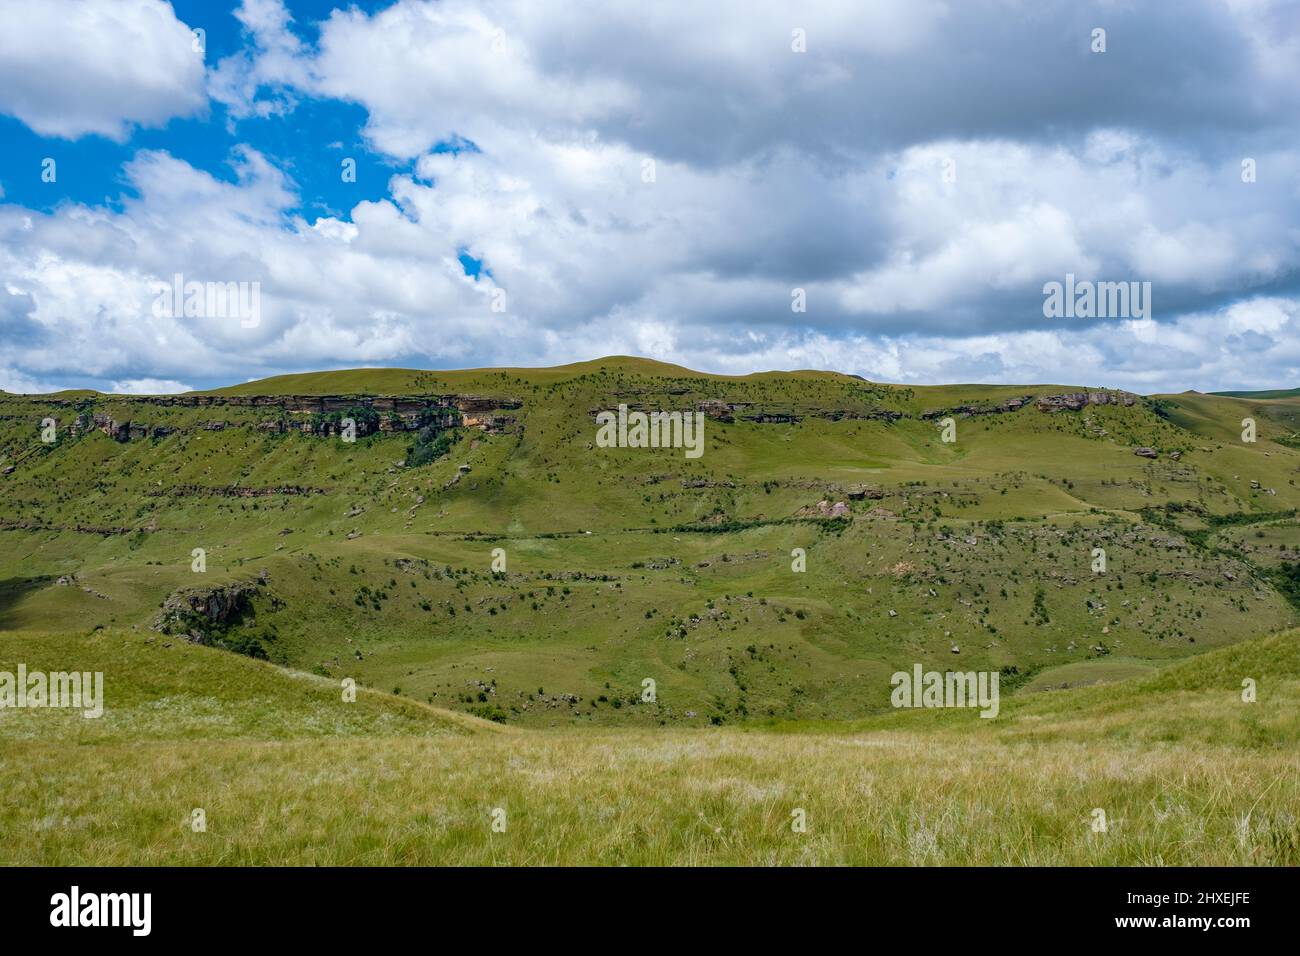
488 422
1010 405
1076 401
1068 401
317 404
303 413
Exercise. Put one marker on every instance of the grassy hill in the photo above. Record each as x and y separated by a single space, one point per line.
1267 393
285 772
158 688
228 561
364 560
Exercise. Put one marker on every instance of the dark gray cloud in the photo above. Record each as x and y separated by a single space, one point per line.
977 69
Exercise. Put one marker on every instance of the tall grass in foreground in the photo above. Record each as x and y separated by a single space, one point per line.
645 798
1185 772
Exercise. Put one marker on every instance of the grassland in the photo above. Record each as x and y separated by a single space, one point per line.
769 628
625 564
288 773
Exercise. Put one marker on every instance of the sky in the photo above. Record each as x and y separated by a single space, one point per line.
883 188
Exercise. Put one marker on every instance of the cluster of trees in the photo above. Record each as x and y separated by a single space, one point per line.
367 420
431 443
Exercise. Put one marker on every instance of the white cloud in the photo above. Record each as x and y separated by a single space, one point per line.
149 386
16 382
81 282
715 84
1199 351
772 170
69 68
274 60
696 266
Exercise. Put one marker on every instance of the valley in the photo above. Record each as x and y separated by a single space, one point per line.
353 559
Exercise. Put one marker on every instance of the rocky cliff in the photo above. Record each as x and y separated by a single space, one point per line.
308 414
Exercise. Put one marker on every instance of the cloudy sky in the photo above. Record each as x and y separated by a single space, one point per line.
507 182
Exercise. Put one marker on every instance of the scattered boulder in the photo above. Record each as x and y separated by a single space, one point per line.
859 492
716 409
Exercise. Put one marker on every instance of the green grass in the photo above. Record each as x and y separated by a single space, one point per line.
1083 673
160 688
1267 393
1185 772
625 565
522 690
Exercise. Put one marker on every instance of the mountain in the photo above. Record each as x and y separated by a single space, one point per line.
477 548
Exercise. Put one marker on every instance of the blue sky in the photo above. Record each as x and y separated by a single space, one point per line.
91 165
537 185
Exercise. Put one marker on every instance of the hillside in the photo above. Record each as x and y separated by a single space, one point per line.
374 559
286 773
1267 393
160 689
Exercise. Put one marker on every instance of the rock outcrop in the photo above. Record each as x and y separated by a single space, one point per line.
1068 401
969 410
310 414
195 612
1077 401
235 491
837 510
859 492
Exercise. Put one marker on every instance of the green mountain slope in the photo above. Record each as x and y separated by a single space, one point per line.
1267 393
378 559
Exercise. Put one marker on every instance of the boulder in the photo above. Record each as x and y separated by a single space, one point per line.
858 492
716 409
194 611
